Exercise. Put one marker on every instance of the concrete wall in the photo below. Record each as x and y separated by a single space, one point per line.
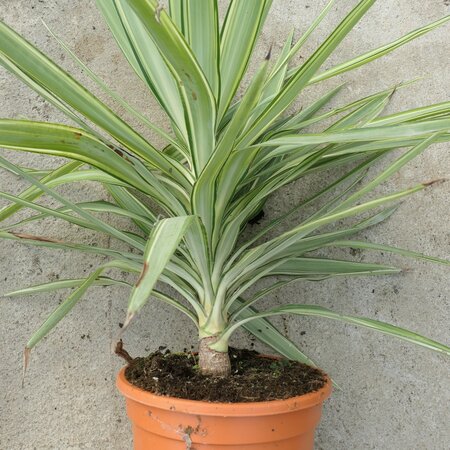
393 394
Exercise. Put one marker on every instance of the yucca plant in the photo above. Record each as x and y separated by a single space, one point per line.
222 159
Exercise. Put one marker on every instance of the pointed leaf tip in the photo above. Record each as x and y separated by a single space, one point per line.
269 53
128 319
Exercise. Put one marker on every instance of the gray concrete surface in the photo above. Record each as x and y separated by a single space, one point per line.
394 396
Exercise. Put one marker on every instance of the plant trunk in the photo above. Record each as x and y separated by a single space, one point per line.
212 362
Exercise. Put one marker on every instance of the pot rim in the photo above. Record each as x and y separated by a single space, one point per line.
270 407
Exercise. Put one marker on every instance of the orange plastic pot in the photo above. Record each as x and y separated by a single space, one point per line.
167 423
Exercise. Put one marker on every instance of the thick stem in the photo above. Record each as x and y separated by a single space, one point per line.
212 362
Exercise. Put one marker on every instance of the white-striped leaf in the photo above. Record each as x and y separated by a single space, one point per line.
162 244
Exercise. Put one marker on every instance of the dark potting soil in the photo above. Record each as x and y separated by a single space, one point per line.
254 378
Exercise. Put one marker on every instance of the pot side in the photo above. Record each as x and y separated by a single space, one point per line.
168 423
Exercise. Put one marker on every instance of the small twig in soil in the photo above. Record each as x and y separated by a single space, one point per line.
120 351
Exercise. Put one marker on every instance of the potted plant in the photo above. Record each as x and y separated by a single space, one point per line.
191 200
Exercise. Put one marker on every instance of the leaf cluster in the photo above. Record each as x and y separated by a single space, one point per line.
223 157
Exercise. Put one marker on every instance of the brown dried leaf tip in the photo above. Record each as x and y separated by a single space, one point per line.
37 238
26 362
437 181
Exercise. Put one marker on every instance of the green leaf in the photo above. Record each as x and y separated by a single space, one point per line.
67 305
310 269
318 311
32 193
395 132
199 256
388 248
52 78
48 211
265 332
134 112
325 266
254 259
437 110
387 173
125 199
63 284
177 13
143 55
201 30
299 119
198 100
63 309
379 52
277 76
95 222
273 84
303 75
95 175
299 44
98 206
240 30
363 115
210 196
292 156
322 240
342 151
42 241
43 92
162 244
303 204
68 142
348 107
77 144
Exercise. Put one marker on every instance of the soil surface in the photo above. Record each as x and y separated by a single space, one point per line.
254 378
